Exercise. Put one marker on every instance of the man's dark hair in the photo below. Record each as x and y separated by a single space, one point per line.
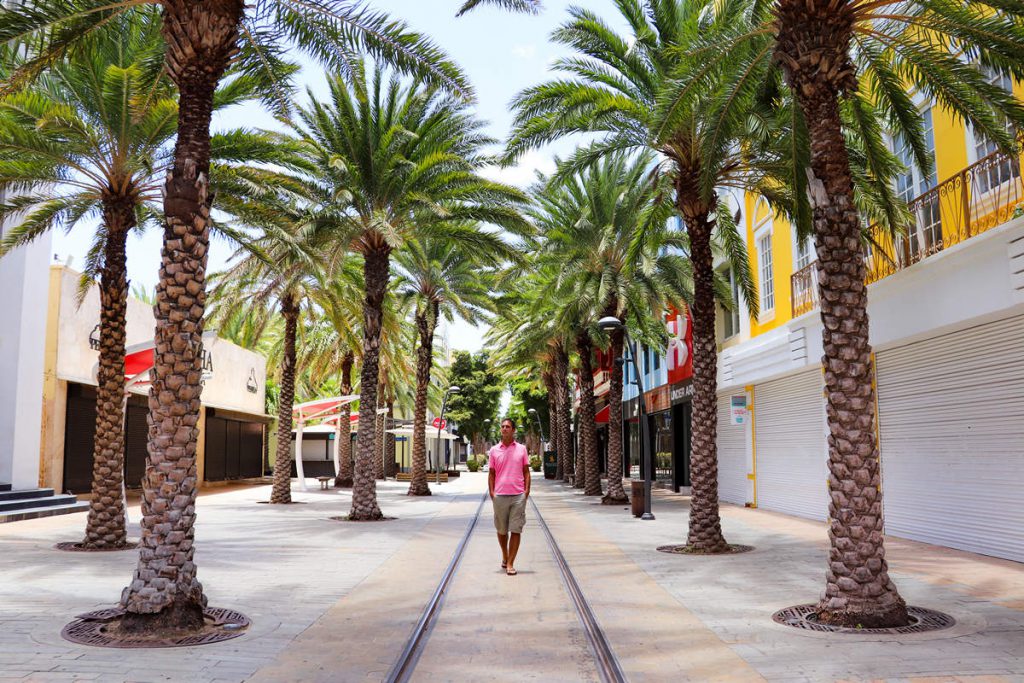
508 419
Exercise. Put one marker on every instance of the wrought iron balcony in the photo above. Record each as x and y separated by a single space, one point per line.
978 198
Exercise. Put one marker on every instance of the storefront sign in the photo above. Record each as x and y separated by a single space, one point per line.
679 354
250 385
94 338
657 399
738 410
680 393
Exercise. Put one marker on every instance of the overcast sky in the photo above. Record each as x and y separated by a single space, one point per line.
501 53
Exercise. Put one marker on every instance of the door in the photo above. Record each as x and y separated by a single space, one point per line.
682 422
79 431
791 446
951 424
215 453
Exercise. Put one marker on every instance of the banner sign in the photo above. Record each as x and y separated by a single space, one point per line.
679 355
438 423
738 410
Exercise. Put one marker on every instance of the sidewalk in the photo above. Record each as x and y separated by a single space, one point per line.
335 601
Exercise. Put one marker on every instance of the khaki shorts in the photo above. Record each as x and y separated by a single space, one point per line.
510 513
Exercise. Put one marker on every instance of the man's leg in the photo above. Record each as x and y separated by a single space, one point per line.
503 542
513 549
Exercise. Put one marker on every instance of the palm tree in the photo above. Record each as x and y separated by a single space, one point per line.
594 222
406 159
274 266
619 87
90 140
849 66
440 278
202 41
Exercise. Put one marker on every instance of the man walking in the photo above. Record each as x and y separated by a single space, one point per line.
508 481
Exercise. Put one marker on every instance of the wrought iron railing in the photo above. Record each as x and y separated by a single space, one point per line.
978 198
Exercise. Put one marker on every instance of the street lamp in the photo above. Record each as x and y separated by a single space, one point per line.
540 427
609 323
440 421
487 430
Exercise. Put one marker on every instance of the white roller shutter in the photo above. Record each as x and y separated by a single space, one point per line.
732 456
951 419
792 451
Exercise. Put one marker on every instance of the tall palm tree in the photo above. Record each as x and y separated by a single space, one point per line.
90 139
850 66
202 40
594 222
619 86
440 278
406 158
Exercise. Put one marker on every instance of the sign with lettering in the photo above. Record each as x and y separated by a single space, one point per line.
681 392
438 423
679 354
738 410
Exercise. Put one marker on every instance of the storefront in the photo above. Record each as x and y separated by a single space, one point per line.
232 441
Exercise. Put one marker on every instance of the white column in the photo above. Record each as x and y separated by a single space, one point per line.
298 456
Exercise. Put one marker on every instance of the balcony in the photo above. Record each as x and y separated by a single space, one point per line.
978 198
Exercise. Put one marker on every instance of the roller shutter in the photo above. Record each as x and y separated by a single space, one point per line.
951 420
732 456
792 451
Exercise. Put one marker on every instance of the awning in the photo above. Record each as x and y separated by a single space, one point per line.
603 415
430 432
321 407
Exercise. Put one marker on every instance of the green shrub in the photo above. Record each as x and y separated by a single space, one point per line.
473 464
535 463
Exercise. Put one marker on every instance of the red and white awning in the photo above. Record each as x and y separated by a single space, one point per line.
322 408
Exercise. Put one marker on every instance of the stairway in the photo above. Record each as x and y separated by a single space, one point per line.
32 503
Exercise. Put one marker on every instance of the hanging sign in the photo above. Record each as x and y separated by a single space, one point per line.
679 354
738 410
438 423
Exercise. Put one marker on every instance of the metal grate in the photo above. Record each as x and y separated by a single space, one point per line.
683 549
78 547
922 620
91 629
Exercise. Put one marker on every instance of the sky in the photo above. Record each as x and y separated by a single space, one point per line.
500 52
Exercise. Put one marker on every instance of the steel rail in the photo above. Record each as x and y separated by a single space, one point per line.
403 667
608 664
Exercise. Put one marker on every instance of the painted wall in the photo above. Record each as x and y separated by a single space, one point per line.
24 283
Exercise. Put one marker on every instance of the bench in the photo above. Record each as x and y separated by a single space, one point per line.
324 482
407 476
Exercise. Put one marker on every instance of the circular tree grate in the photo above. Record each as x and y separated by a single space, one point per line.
921 621
683 549
79 547
91 628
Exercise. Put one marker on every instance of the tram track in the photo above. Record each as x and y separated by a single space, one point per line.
606 664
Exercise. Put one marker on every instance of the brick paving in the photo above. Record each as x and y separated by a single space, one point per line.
335 601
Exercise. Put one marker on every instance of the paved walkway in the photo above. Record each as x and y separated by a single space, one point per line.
335 601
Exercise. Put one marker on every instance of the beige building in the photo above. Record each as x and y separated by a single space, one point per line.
232 425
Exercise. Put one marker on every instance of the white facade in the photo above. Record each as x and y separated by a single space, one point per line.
948 337
23 311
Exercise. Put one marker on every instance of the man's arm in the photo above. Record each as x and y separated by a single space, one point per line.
490 481
526 480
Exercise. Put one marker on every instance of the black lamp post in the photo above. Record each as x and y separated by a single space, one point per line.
612 323
487 431
540 427
440 421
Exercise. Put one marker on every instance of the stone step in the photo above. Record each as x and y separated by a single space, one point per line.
43 511
25 494
24 503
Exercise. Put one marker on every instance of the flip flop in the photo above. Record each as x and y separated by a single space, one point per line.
504 565
510 572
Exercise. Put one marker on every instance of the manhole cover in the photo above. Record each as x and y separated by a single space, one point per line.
683 549
78 547
921 621
91 629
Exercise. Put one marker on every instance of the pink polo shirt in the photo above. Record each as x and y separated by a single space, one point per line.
507 463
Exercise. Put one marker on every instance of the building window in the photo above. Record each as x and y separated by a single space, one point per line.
764 268
911 186
994 174
731 319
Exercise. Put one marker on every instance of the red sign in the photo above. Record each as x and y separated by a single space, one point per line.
438 423
679 355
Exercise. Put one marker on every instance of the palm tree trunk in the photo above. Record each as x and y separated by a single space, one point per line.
616 494
105 526
424 355
282 490
201 39
376 263
705 533
565 459
813 47
588 429
344 478
549 385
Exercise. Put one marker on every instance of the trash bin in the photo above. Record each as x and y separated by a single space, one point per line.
550 464
637 497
